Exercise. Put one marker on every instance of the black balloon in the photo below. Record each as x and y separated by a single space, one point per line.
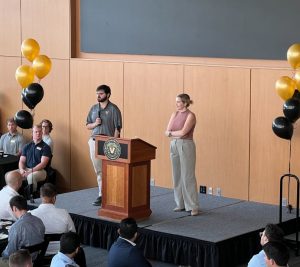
24 119
283 128
26 101
291 109
32 95
296 94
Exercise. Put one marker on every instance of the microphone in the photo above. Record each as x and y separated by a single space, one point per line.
99 111
99 115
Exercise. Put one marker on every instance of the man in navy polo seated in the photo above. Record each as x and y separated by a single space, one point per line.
124 252
35 158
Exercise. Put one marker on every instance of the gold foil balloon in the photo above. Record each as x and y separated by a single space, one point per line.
285 87
24 75
293 56
297 78
42 66
30 49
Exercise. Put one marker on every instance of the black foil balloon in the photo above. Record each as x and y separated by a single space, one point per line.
24 119
32 95
283 128
291 109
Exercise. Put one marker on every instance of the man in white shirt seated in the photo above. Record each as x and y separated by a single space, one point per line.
13 181
56 221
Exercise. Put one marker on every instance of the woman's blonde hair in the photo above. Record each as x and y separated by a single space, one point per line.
185 98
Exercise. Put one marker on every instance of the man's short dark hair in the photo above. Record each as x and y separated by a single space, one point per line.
128 228
20 258
273 232
48 190
69 242
105 88
277 251
19 202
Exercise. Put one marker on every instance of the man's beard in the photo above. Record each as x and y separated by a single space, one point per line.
103 99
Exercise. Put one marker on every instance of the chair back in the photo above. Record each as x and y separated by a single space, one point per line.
50 238
53 237
39 250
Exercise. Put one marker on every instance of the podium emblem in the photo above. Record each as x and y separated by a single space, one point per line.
112 149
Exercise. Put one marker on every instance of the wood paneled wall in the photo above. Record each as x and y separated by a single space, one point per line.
234 101
222 105
48 22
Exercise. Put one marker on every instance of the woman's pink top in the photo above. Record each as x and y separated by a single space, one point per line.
178 123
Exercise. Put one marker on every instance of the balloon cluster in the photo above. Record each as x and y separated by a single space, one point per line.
32 93
288 89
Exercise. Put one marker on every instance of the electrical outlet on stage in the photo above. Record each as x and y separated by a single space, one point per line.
218 191
152 182
210 190
284 202
202 189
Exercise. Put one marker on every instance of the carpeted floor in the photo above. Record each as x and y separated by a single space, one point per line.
220 218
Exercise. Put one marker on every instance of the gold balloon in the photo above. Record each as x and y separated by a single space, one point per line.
297 78
285 87
41 66
293 56
30 48
24 75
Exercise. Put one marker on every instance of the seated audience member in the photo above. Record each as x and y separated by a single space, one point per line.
34 159
56 221
69 247
12 142
47 128
20 258
277 254
271 233
28 230
13 181
124 253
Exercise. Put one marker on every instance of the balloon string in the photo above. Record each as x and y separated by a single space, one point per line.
32 112
290 154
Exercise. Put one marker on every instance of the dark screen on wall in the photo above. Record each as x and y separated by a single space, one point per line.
255 29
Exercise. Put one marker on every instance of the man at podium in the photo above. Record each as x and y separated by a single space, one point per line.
104 118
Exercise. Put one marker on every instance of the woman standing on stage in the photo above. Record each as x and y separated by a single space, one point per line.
183 155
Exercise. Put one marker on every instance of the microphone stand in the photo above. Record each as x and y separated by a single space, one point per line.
30 186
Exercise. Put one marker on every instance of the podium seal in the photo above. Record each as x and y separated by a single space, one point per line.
112 149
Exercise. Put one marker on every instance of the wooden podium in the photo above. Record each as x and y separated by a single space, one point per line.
126 166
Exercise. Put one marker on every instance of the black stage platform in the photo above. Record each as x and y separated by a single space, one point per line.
225 233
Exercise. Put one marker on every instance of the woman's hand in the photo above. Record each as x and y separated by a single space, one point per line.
168 133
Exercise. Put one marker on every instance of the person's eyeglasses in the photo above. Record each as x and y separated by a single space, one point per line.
45 126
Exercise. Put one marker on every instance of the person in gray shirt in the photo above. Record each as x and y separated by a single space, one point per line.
12 142
28 230
104 118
